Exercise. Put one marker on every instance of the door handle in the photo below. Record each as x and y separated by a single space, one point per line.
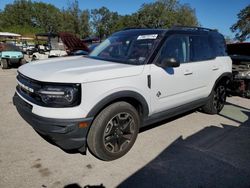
188 72
215 68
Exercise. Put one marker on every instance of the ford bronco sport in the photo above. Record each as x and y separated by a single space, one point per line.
134 78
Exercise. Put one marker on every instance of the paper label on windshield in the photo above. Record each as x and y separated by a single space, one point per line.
151 36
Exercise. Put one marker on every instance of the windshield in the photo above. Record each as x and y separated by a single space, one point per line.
129 49
8 47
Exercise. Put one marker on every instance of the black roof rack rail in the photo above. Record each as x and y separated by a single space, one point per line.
129 28
193 28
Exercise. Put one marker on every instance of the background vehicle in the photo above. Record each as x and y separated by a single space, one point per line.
48 45
134 78
27 44
240 55
10 55
58 45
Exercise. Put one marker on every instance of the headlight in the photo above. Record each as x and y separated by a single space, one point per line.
61 96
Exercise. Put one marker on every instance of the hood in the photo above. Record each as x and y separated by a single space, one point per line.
77 70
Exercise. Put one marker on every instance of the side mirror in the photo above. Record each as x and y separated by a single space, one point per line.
169 62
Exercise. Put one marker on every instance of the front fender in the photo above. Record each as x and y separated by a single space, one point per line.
119 96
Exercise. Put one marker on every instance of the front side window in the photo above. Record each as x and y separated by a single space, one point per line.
177 47
129 49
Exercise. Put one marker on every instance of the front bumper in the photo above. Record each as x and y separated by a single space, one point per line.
13 61
64 133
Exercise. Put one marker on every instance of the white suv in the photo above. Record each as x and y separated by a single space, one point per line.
134 78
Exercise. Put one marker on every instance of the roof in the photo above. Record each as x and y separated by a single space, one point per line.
7 34
181 29
27 38
141 31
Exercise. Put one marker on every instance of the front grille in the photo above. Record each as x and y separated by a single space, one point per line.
28 88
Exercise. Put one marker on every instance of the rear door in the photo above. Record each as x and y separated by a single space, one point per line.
172 87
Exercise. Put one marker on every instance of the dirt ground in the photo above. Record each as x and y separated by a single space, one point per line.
191 150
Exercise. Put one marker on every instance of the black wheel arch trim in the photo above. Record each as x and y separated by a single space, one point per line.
120 96
227 75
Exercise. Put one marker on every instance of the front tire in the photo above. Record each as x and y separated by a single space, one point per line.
216 100
4 64
114 131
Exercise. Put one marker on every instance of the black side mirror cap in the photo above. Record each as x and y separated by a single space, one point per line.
169 62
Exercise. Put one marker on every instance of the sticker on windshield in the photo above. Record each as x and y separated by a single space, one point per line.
143 37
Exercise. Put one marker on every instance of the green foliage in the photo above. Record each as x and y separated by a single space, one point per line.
104 22
164 14
29 17
85 29
46 17
242 26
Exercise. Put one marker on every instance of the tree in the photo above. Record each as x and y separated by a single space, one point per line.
46 17
74 10
30 17
242 26
74 20
164 14
104 21
186 16
27 17
67 24
1 21
85 30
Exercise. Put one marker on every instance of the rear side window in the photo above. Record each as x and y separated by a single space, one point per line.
218 45
200 48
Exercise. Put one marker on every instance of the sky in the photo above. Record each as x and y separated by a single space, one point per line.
214 14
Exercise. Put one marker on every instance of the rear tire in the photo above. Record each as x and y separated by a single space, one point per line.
4 64
114 131
217 100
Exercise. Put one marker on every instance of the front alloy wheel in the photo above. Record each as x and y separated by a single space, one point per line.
114 131
119 132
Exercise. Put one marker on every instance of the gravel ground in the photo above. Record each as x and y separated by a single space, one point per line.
192 150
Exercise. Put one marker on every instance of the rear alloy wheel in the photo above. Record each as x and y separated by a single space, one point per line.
114 131
4 64
219 98
216 100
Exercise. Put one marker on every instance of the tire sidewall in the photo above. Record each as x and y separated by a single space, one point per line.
4 63
102 126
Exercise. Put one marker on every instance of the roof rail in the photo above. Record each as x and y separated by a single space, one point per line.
193 28
129 28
